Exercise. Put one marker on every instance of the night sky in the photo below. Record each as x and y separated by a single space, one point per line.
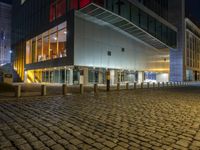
194 8
6 1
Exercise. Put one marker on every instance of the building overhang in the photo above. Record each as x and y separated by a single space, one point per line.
107 16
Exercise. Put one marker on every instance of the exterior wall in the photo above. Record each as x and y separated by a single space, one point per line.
192 51
94 42
5 33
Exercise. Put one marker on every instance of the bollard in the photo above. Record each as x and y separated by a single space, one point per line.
174 84
148 85
167 84
153 84
163 84
81 89
158 84
64 89
18 91
127 86
142 85
171 84
118 86
43 90
135 85
95 88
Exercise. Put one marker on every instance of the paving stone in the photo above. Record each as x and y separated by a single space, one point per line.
148 119
196 143
37 145
57 147
109 144
75 141
183 143
24 147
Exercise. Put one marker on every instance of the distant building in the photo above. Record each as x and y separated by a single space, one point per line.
5 33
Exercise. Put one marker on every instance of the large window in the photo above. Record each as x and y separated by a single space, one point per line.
49 45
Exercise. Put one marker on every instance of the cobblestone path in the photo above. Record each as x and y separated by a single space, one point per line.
141 119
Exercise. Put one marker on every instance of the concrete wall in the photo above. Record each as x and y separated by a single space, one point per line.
93 41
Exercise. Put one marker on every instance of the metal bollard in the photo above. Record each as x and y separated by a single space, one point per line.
174 84
158 84
18 91
135 85
95 88
167 84
154 85
43 90
163 84
148 85
118 86
81 89
142 85
127 86
64 89
171 84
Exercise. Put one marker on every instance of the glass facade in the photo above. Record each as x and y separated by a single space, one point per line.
50 75
48 45
143 20
160 7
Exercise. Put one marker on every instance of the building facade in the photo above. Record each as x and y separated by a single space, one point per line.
192 51
79 41
5 33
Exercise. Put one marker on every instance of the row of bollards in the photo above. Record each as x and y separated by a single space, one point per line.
81 90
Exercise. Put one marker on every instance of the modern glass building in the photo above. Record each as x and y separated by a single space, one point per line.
73 41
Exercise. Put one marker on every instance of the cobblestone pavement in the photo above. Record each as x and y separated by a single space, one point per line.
141 119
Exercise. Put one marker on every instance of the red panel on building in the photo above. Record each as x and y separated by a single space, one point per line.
57 9
60 8
74 4
52 14
84 3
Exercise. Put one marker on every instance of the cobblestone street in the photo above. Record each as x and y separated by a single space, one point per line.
134 119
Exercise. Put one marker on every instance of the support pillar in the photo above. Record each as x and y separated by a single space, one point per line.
140 76
85 76
71 76
108 80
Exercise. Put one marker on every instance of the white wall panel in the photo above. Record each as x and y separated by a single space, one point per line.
93 41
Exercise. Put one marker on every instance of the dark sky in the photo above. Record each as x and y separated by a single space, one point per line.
6 1
194 8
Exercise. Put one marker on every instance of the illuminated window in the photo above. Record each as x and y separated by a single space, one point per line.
49 45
